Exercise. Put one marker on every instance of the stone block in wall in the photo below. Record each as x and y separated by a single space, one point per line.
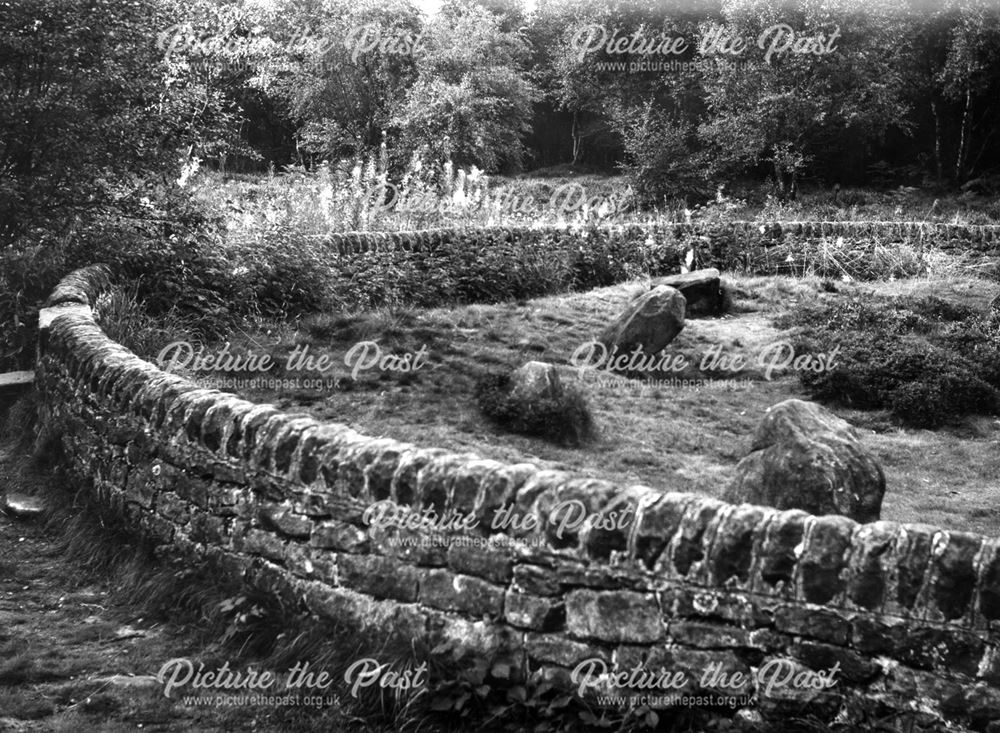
207 528
711 603
562 510
171 506
814 622
468 480
557 649
435 482
356 458
822 568
786 687
159 529
940 649
536 579
454 592
851 667
413 546
281 518
779 554
403 486
525 506
911 561
878 634
989 584
144 483
989 665
244 433
614 616
953 561
335 535
491 641
656 525
264 544
691 543
684 670
533 612
286 445
383 458
982 706
493 562
498 490
703 635
900 685
608 537
307 562
738 535
380 577
870 576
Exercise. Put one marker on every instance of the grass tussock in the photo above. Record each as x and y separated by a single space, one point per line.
564 419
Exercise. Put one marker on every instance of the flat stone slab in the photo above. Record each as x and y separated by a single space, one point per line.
23 506
16 381
702 289
47 315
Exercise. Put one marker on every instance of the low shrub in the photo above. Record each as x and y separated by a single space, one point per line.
922 358
566 421
493 265
284 274
27 277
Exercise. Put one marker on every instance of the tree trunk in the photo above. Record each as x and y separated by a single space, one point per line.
779 177
576 137
963 141
937 143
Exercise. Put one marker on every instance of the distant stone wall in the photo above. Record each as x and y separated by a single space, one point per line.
725 241
907 615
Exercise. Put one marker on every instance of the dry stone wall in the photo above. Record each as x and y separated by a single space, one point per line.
725 243
905 618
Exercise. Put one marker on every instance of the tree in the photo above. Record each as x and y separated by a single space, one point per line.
340 68
787 108
970 77
472 99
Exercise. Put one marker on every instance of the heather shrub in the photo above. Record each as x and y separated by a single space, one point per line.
917 357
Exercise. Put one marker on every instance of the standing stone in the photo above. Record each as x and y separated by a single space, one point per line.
805 457
702 289
534 381
650 321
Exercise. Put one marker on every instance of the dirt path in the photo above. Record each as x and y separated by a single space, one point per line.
74 659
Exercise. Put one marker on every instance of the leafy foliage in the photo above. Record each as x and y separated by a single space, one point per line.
472 98
928 361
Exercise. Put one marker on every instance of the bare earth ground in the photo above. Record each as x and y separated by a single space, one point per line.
74 656
665 436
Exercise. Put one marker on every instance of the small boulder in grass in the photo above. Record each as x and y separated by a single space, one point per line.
536 380
533 400
805 457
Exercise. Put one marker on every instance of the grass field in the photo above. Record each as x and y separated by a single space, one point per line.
665 436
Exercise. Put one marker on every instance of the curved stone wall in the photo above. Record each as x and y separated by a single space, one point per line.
902 618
